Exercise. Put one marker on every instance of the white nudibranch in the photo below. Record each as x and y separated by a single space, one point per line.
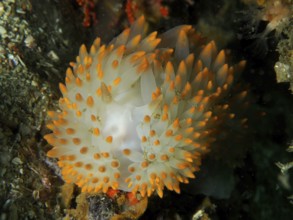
139 113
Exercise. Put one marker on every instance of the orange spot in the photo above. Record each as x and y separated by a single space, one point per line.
242 95
172 149
172 86
175 100
78 82
153 176
117 81
67 80
115 64
116 175
78 164
105 154
49 137
152 156
109 88
93 118
87 61
169 133
95 180
126 152
189 130
143 66
188 141
71 157
69 73
90 101
51 114
178 137
135 40
102 169
82 49
115 164
182 166
196 135
63 157
63 88
164 176
160 192
98 188
156 142
127 180
70 131
76 141
88 166
88 77
202 124
147 119
50 126
165 108
74 106
100 74
189 121
208 114
158 91
164 157
78 113
97 156
106 179
165 117
62 141
52 153
78 97
83 150
131 169
226 106
80 69
93 50
152 133
144 164
188 157
59 122
143 139
57 132
109 139
154 96
176 123
96 131
210 85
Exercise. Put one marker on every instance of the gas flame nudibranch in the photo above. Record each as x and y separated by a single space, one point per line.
139 113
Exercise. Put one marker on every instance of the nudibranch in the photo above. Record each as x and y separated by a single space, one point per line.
139 113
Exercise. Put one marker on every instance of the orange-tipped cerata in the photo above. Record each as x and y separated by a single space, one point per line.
137 114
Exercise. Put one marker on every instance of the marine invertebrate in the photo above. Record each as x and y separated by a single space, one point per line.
139 113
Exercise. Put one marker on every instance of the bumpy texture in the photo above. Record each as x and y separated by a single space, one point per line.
139 113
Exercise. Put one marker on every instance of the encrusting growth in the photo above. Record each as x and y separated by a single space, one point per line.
139 113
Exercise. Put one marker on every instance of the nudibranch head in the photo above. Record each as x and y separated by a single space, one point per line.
139 113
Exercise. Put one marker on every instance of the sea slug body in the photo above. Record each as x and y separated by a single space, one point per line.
139 113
